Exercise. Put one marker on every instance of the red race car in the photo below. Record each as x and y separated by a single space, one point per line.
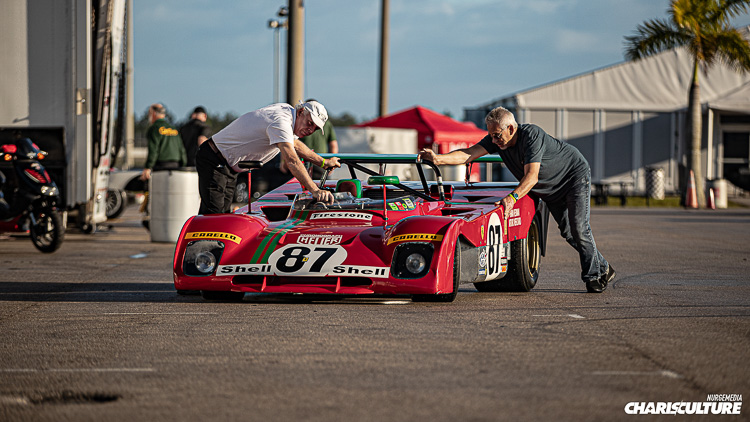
381 236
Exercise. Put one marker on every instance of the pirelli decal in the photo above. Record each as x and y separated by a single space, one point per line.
416 237
214 235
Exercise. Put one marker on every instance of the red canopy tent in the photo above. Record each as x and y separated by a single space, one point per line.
432 128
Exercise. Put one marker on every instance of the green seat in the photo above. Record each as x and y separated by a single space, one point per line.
353 186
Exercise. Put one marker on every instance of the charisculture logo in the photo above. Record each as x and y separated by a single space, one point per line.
715 404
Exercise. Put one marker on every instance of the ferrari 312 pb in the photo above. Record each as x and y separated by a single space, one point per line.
380 236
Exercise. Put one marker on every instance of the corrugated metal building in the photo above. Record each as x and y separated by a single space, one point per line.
631 116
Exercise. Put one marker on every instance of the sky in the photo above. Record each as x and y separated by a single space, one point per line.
445 55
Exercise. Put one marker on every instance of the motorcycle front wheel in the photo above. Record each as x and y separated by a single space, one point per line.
47 231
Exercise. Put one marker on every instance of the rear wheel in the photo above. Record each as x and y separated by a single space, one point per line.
116 200
446 297
523 268
222 296
47 232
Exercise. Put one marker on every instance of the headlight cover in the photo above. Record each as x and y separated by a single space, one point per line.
202 257
412 260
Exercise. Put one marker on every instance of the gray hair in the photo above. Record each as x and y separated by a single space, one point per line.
501 117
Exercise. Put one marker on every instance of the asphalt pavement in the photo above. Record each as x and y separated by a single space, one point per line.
96 332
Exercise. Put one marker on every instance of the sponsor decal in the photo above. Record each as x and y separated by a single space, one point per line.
168 131
259 269
342 216
302 261
483 259
495 249
361 270
319 239
393 206
424 237
514 218
715 404
409 204
214 235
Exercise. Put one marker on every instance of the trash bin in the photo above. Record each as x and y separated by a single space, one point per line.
720 191
655 183
173 198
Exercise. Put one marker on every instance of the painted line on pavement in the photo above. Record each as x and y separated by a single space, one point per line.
160 313
576 316
662 373
33 370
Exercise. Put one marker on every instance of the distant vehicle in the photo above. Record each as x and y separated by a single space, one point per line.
63 83
28 196
380 236
123 185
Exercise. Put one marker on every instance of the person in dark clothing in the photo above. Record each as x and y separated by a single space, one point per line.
194 133
165 150
553 170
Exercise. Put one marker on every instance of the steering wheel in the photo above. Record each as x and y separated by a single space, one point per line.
323 179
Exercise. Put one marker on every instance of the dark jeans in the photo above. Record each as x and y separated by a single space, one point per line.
216 181
572 214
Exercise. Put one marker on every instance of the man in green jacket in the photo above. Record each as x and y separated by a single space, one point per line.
165 148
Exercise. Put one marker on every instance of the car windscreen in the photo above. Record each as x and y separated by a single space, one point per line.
345 201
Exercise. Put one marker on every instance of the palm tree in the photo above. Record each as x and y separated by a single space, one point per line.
703 27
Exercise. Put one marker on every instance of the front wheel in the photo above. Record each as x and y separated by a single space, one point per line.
47 231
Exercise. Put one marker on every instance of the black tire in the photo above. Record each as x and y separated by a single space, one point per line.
523 268
222 296
47 233
446 297
116 200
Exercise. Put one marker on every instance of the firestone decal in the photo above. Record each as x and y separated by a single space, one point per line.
214 235
342 215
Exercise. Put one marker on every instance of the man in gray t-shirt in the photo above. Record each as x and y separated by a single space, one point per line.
554 171
560 163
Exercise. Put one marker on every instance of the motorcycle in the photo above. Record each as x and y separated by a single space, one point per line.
28 197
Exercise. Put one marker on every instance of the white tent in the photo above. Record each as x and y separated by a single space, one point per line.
630 116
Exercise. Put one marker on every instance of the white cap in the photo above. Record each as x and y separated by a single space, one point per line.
318 113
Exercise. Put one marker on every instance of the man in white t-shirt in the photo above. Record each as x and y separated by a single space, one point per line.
258 136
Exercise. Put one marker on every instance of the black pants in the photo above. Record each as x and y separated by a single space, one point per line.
216 181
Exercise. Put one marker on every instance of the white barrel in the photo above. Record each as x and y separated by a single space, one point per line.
655 183
173 198
720 191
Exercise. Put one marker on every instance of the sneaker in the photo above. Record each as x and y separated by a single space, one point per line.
596 286
600 285
607 278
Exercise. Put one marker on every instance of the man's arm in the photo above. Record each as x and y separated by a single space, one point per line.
456 157
293 163
153 152
528 181
304 152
